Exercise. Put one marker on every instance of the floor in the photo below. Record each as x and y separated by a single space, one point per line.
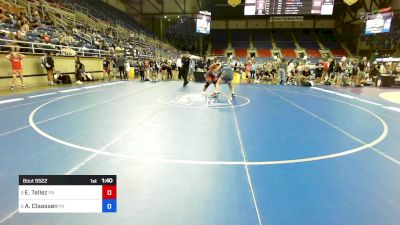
273 155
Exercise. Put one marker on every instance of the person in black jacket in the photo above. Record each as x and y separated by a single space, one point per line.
49 65
185 69
79 69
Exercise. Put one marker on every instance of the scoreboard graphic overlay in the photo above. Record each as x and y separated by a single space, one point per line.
288 7
67 193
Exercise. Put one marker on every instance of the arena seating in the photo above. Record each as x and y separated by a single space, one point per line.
89 32
261 39
329 41
265 53
288 53
219 41
307 41
241 52
105 12
261 60
338 52
313 53
217 52
240 39
283 40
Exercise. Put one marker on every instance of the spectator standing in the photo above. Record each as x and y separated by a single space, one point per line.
252 70
141 71
121 66
362 65
106 68
16 67
169 68
147 69
78 70
319 69
179 66
185 69
282 71
48 64
127 69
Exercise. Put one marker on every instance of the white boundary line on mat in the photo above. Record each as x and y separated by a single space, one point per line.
246 167
212 162
392 108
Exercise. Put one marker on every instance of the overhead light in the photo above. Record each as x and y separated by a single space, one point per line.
179 17
165 17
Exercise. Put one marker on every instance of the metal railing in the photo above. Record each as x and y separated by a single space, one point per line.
40 48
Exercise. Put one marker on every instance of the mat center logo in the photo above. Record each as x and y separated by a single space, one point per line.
197 100
201 100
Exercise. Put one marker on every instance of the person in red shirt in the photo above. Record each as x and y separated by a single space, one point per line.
211 76
16 67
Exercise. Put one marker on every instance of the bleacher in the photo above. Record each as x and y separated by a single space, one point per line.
264 53
283 40
219 41
261 39
105 12
90 27
330 42
288 53
339 52
308 42
306 39
313 53
241 52
240 39
217 52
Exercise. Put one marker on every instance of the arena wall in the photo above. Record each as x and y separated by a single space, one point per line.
34 74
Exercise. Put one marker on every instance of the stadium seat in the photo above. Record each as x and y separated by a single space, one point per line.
217 52
313 53
288 53
264 53
241 52
338 52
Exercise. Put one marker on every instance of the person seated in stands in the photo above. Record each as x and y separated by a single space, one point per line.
35 20
70 39
12 44
97 44
69 51
3 17
25 27
21 36
55 40
47 21
13 18
46 38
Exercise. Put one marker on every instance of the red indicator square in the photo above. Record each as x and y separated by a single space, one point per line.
109 192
